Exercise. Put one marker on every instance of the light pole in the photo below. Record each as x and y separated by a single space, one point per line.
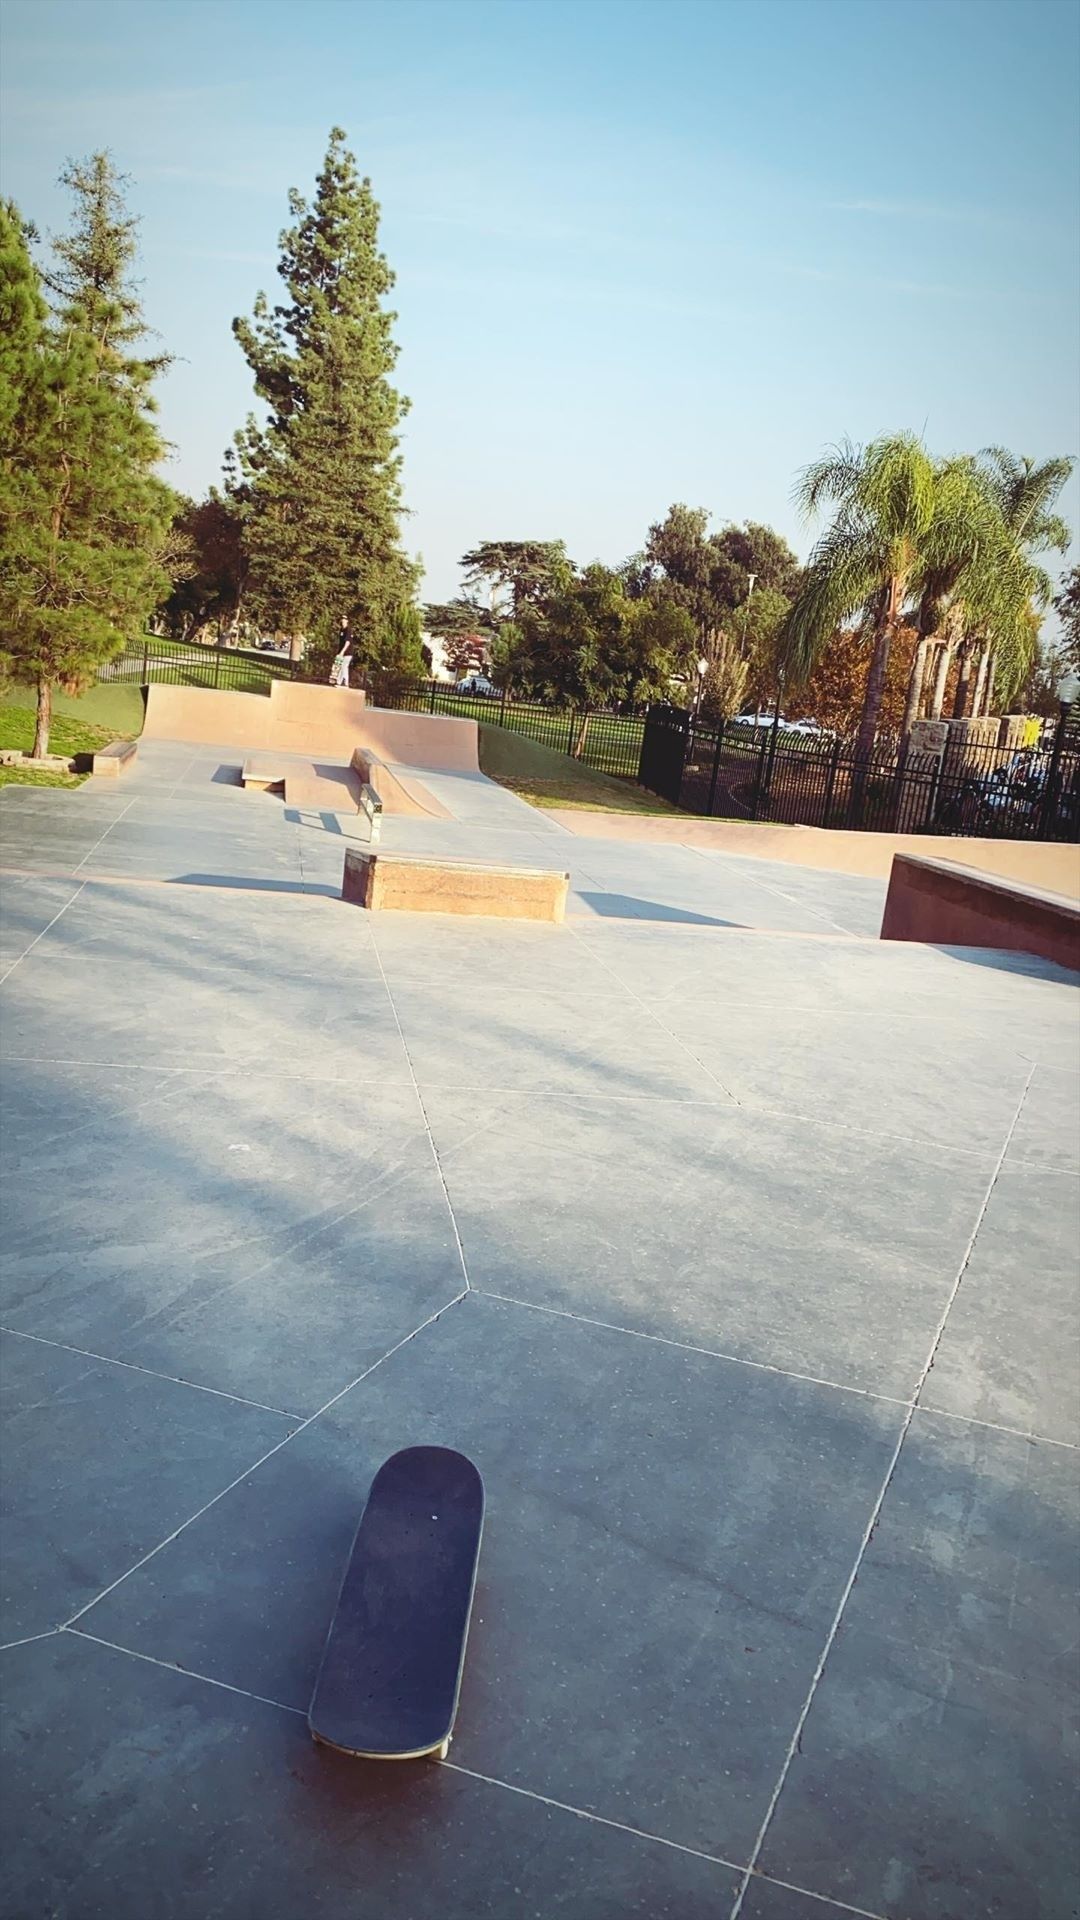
699 690
745 624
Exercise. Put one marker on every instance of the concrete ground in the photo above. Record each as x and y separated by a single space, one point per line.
739 1251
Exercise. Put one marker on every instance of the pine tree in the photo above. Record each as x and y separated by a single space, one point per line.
90 278
319 483
83 512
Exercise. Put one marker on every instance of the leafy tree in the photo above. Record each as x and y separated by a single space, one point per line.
207 568
762 551
592 645
318 485
709 574
724 688
1052 662
694 570
527 571
464 628
757 628
400 647
1067 603
833 695
84 514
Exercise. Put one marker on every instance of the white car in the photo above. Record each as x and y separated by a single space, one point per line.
475 683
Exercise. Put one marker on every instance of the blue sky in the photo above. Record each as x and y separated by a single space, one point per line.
647 250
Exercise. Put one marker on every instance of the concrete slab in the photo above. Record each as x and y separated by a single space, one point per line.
277 1260
269 1824
250 1145
68 1535
615 1627
950 1697
748 1234
1011 1351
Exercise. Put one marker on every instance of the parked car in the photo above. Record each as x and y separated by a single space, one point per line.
476 683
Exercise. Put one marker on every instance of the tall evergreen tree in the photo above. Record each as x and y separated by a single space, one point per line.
84 514
319 484
90 278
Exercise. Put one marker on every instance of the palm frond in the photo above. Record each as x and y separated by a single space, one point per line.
841 577
1026 490
834 477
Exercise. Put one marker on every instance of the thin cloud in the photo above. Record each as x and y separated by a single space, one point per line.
906 210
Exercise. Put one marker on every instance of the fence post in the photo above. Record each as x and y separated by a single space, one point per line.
217 669
570 735
774 731
830 784
716 766
502 709
756 801
431 709
145 660
1048 809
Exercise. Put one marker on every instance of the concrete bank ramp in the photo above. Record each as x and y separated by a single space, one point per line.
320 721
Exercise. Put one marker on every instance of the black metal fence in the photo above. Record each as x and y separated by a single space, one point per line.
607 742
989 792
174 663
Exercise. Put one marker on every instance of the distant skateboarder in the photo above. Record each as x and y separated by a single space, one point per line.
339 672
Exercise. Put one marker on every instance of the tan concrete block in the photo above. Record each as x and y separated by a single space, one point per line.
928 739
115 759
1018 730
385 882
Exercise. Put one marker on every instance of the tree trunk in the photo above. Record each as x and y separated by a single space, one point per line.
980 679
295 644
963 682
988 687
941 675
915 684
44 719
583 733
879 663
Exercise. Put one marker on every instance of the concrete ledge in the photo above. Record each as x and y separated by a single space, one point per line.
951 906
261 771
393 882
114 759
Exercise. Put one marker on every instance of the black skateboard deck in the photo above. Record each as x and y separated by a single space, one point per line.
391 1669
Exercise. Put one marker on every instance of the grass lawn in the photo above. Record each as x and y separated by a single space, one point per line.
549 779
80 725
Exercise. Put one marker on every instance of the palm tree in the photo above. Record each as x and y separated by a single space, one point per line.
993 615
957 554
869 558
1023 492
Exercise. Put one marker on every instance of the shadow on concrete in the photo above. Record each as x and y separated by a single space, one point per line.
235 883
1010 960
625 906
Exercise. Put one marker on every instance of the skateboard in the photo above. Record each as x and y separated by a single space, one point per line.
387 1688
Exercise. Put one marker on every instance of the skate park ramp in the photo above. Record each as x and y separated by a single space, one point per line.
319 745
325 721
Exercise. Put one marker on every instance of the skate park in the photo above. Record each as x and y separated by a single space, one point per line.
734 1244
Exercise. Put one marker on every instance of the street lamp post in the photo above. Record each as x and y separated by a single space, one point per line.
699 690
1067 689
